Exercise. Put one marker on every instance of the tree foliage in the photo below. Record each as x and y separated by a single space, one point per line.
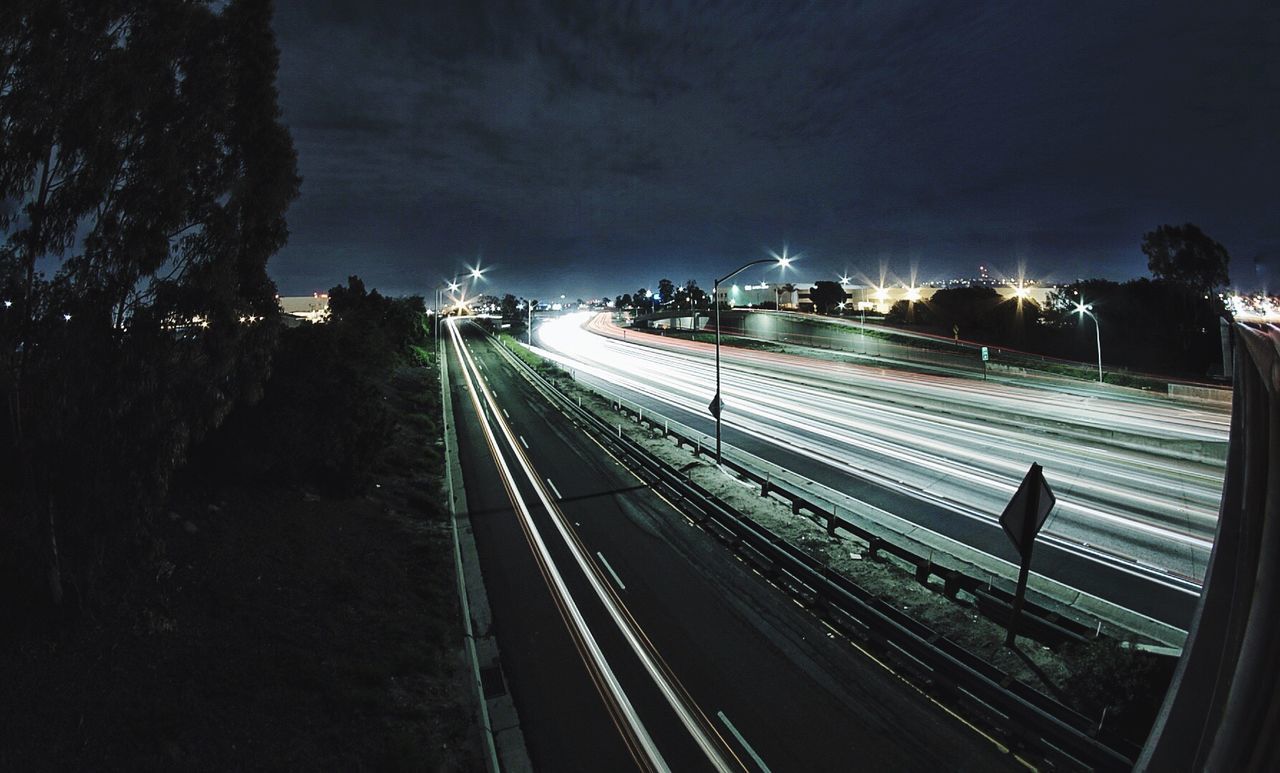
510 307
692 297
827 296
322 420
666 291
1186 255
144 177
1149 325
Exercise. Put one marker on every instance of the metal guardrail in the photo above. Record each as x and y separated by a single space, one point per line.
1038 622
1021 713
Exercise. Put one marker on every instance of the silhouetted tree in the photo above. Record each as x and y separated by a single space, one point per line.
509 306
695 297
323 420
827 295
1184 254
145 176
666 292
1156 326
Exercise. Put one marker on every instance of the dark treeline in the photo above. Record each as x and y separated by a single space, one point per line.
144 178
1155 326
1168 324
323 419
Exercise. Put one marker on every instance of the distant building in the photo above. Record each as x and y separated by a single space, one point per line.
304 308
876 300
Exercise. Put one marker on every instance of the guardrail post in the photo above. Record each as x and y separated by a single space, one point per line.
950 584
697 450
923 570
619 431
795 506
764 486
831 522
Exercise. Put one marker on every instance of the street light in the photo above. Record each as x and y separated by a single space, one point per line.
1084 309
782 261
452 287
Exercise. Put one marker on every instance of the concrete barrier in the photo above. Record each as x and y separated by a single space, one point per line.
1208 393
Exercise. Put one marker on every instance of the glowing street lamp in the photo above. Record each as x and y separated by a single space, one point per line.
781 261
1084 309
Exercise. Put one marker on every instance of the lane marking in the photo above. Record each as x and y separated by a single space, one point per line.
755 757
554 490
1003 749
699 726
524 443
504 413
634 734
614 574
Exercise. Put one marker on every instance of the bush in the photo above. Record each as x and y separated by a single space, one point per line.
1129 685
323 418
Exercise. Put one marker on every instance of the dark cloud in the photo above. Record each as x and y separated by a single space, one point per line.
592 146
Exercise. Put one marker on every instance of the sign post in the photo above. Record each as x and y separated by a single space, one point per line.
1022 520
986 355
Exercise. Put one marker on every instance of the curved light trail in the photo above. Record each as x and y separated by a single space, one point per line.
957 440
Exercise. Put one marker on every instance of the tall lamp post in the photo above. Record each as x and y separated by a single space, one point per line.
716 403
1084 309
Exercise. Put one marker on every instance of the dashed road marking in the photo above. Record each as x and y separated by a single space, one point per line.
754 757
612 573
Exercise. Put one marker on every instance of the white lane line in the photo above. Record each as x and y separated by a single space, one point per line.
524 443
572 614
614 574
700 729
755 757
554 490
504 413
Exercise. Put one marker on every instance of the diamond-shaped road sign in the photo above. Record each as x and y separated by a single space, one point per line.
716 405
1018 511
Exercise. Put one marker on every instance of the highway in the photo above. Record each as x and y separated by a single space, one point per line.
632 639
948 452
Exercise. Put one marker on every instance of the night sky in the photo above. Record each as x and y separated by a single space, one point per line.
591 148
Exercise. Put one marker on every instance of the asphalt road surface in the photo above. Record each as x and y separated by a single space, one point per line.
1131 526
631 638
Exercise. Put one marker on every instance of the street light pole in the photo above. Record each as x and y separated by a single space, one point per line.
716 403
1084 310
